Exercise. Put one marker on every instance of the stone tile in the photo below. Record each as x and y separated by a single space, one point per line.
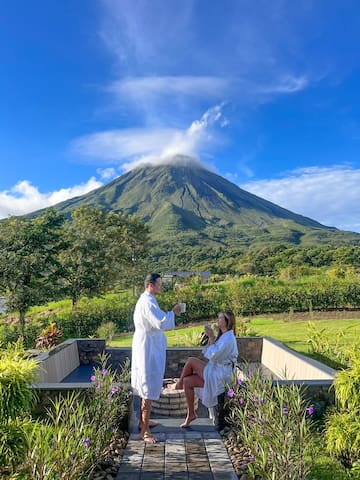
225 476
128 476
176 476
197 459
176 468
199 467
127 468
193 434
211 435
201 476
151 476
175 435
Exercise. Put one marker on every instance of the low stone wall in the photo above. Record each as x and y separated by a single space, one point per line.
288 364
58 362
275 360
89 350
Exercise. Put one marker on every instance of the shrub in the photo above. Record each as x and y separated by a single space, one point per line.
106 330
16 396
16 375
272 421
79 427
342 424
49 337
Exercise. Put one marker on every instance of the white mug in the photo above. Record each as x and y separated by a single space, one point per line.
182 307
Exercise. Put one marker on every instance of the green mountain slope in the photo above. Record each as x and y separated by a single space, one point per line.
189 206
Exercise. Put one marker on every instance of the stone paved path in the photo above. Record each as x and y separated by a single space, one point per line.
195 453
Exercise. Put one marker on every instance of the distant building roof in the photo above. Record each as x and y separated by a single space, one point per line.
204 275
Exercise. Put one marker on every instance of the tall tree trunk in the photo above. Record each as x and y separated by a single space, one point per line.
22 322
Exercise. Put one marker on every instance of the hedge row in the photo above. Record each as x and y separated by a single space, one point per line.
244 298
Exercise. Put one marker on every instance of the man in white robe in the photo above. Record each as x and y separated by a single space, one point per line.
149 350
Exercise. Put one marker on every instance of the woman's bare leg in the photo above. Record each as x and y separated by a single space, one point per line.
193 366
189 383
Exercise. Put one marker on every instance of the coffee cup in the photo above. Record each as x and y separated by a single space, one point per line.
182 307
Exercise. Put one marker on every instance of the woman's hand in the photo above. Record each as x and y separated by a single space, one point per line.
177 309
210 333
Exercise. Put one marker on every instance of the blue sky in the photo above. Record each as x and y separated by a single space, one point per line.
264 93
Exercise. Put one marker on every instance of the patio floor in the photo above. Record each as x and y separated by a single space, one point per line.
194 453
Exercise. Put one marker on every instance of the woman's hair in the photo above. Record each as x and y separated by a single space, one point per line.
230 322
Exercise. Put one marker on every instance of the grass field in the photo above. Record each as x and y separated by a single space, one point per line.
293 333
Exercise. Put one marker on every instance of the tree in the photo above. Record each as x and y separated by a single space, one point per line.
84 260
102 248
129 249
29 267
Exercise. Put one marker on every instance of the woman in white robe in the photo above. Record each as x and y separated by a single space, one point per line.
209 380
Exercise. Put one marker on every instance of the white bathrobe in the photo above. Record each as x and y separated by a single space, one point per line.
218 371
149 347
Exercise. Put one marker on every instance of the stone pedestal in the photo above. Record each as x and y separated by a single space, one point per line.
172 403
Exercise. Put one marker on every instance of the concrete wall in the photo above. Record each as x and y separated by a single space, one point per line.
58 362
287 364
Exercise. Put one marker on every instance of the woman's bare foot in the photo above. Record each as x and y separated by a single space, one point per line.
175 386
188 420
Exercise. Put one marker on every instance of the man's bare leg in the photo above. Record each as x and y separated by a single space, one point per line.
193 366
190 382
145 420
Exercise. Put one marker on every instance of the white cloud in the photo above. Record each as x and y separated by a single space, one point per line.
106 173
151 86
329 195
284 84
134 146
25 198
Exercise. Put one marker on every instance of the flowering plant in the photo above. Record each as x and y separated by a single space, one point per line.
273 422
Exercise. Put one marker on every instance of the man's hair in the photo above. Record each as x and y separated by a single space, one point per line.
151 279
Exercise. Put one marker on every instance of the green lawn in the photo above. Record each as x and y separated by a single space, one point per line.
292 333
295 333
125 340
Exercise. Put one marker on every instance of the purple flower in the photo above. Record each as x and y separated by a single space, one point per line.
103 371
255 399
310 410
86 442
114 390
251 458
230 393
93 378
240 381
285 411
242 401
253 420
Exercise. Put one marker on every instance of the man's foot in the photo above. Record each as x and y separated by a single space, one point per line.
188 420
148 438
152 423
